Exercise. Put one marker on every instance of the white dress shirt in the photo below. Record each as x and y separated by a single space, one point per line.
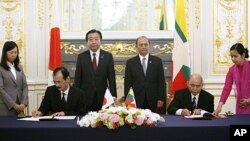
178 112
66 92
12 69
146 60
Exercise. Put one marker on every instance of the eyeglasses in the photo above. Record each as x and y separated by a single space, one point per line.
58 82
193 85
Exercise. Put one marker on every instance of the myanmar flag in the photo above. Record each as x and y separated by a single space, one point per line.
163 20
130 99
55 56
181 55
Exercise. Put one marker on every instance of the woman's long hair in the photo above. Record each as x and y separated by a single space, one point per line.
9 45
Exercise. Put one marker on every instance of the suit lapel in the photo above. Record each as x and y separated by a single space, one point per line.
69 95
188 99
12 76
18 77
90 63
101 59
58 95
200 100
149 65
139 65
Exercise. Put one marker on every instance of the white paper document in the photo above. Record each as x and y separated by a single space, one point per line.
48 117
194 116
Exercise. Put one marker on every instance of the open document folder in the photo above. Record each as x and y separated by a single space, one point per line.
194 116
206 116
48 118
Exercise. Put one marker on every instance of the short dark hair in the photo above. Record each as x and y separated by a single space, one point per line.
240 49
63 70
93 31
136 41
9 45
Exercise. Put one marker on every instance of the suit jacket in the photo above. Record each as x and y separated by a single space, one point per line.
12 90
182 100
152 86
93 83
52 103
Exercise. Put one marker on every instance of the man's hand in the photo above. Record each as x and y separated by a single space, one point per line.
59 114
160 104
36 113
197 112
185 112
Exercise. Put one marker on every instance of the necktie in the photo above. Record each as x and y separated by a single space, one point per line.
194 103
144 66
63 99
94 62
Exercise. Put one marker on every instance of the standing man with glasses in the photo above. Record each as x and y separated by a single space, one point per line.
192 100
95 71
62 99
145 75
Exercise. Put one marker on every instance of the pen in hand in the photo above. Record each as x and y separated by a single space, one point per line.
186 112
193 112
58 114
196 112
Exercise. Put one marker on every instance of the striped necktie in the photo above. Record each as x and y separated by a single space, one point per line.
194 103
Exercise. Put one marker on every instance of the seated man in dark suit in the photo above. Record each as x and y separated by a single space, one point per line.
192 100
62 99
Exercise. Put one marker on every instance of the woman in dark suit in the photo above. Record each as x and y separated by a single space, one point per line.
13 84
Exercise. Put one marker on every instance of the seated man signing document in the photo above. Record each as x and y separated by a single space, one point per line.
61 99
192 100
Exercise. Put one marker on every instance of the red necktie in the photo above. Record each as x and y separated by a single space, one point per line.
94 62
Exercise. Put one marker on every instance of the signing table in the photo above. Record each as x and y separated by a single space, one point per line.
174 128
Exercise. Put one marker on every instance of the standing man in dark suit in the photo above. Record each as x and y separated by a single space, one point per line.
62 99
95 71
192 100
145 74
